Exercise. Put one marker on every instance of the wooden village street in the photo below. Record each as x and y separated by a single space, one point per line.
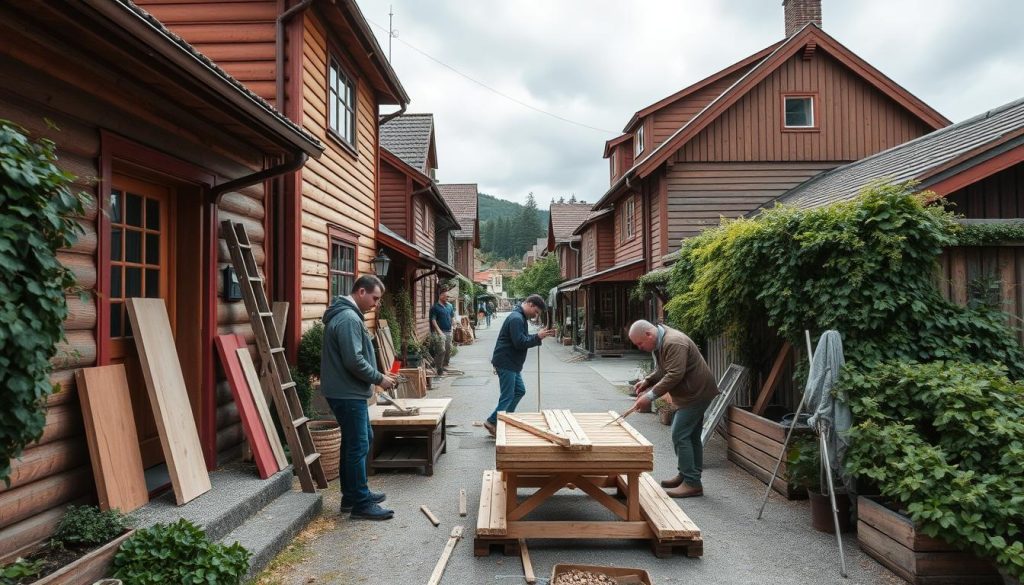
781 548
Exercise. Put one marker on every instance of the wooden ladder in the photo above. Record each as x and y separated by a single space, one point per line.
274 371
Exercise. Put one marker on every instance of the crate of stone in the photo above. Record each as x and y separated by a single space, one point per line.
570 574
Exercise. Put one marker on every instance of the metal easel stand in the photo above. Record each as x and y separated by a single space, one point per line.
824 458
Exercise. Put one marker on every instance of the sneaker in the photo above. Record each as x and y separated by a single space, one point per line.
493 430
375 498
372 512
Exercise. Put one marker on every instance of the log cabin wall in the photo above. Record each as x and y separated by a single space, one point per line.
61 95
339 188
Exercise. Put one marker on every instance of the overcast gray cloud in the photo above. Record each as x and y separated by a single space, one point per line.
597 62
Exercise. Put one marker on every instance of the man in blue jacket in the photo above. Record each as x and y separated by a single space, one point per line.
510 355
348 372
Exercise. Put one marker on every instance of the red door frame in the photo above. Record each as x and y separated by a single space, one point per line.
118 148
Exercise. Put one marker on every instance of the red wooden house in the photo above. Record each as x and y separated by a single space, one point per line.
978 166
416 224
462 198
166 144
319 63
563 219
740 138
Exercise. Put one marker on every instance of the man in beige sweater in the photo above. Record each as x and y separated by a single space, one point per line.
681 372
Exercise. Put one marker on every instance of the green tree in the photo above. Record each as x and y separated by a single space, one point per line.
539 278
487 236
527 227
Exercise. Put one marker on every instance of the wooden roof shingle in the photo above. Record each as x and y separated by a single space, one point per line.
462 198
408 137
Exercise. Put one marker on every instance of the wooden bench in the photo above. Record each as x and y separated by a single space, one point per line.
672 527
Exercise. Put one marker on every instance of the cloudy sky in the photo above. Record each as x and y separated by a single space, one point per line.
596 62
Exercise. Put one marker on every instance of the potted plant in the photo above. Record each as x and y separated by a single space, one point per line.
79 553
804 472
665 409
413 353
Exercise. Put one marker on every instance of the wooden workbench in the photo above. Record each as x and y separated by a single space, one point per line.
614 456
408 441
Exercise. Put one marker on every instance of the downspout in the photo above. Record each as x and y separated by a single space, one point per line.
385 119
279 25
284 168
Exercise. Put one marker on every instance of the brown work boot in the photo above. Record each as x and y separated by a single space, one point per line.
672 483
490 428
685 491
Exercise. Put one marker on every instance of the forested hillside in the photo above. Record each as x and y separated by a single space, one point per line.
509 229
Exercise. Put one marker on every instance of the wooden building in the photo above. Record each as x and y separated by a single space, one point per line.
319 63
166 144
563 219
416 224
978 166
462 199
745 135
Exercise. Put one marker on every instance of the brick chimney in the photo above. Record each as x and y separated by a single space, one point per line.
799 13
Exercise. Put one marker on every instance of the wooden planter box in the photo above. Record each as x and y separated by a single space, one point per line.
754 443
88 569
891 539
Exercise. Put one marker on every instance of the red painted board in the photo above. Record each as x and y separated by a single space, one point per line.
252 424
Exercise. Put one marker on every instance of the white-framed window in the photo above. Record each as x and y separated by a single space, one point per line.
638 141
615 154
341 103
342 268
629 219
799 111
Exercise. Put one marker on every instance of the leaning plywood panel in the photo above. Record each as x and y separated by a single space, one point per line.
258 397
113 441
252 423
169 397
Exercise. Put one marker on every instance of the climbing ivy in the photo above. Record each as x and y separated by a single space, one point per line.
37 211
865 268
989 234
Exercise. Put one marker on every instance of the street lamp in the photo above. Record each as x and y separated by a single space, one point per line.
381 264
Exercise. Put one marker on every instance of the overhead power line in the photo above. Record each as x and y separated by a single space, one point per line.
489 88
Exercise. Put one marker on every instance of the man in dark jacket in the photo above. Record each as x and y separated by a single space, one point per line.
510 355
681 372
348 372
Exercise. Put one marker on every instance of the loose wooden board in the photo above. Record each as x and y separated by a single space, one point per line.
259 397
113 440
169 397
252 424
431 411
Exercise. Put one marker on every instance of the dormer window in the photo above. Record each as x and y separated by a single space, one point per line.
799 110
638 141
615 155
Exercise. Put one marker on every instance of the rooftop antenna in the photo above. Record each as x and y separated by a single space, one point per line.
392 33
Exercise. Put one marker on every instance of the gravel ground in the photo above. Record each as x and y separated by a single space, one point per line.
781 548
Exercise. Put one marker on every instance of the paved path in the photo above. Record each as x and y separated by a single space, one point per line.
782 548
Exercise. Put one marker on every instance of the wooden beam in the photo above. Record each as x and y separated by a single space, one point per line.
520 424
527 564
768 390
435 577
430 516
462 502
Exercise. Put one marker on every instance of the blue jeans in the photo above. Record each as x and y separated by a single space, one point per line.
686 428
356 436
512 391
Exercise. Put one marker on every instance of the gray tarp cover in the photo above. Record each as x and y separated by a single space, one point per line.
832 412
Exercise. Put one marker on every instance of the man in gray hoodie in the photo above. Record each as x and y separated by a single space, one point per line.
348 373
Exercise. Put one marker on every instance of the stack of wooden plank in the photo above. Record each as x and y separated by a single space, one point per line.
414 384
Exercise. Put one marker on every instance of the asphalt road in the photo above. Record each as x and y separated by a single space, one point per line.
781 548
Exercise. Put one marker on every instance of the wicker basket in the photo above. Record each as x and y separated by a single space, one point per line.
326 435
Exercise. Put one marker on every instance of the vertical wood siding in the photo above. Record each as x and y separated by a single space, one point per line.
238 35
1000 196
855 119
654 206
964 273
699 194
588 245
394 199
606 242
673 116
424 235
339 187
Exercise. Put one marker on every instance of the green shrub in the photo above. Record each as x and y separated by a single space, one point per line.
865 268
37 211
178 553
307 366
87 526
945 442
803 463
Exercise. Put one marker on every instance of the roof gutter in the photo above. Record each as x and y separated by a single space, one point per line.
283 18
392 115
284 168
